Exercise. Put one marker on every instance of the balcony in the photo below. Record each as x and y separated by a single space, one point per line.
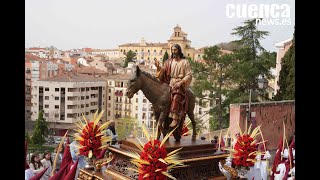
72 102
119 109
118 93
128 110
73 93
72 110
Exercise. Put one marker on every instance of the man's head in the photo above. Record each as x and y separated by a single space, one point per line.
112 123
176 51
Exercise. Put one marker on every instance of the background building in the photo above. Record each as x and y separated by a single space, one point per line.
283 47
65 97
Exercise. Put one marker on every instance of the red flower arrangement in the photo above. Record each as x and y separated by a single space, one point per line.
244 151
91 136
153 162
91 141
156 152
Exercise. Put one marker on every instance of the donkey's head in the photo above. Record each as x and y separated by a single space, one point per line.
134 83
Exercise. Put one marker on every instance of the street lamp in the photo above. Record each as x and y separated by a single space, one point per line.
262 84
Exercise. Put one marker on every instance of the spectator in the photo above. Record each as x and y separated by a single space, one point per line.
47 163
74 154
35 163
111 131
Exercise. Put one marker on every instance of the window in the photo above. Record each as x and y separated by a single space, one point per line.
155 51
109 105
46 97
82 105
108 113
136 100
144 101
56 106
87 89
109 90
82 89
46 106
46 89
56 98
109 97
136 107
87 97
56 89
87 105
200 111
82 97
87 113
136 115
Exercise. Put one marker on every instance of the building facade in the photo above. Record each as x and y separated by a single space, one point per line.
64 98
146 52
283 47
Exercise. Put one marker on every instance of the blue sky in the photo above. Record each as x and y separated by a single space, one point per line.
68 24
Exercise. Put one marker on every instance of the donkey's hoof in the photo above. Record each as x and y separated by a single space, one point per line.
194 137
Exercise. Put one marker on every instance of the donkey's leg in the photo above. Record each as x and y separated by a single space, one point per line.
191 116
158 125
162 118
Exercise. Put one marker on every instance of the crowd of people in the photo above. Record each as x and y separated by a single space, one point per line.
42 164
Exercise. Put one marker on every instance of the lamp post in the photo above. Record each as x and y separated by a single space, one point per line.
262 84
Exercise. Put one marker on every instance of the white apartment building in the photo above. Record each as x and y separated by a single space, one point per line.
66 97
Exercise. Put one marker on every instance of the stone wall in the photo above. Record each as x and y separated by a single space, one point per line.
270 115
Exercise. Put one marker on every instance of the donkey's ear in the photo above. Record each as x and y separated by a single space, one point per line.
138 71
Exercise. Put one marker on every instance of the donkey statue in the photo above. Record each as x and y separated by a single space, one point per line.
159 95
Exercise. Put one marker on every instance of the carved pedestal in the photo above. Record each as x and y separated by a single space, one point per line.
199 155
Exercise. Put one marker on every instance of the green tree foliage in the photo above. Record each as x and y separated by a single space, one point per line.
26 136
165 56
211 81
287 75
252 61
125 127
130 56
41 130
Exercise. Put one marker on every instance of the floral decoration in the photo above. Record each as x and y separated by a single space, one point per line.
91 136
153 162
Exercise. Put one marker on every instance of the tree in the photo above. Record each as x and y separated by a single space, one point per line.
286 82
251 62
129 58
165 56
125 127
41 130
211 81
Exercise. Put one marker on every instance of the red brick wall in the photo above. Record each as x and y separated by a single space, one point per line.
270 115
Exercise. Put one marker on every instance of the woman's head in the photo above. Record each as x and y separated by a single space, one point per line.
35 157
47 155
